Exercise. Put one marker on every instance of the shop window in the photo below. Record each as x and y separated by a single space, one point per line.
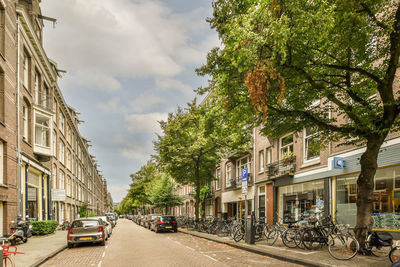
261 161
42 131
386 203
311 144
295 200
228 175
286 145
218 178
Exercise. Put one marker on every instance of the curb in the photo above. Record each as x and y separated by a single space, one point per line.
52 254
286 258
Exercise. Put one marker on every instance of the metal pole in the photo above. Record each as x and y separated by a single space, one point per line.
19 196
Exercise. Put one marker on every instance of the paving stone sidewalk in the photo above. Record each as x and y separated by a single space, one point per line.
303 257
39 248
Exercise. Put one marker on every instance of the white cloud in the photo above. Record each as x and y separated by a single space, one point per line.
139 152
112 106
118 192
144 123
100 41
168 83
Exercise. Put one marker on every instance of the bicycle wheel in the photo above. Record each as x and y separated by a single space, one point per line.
238 234
298 238
8 261
272 237
288 237
309 239
343 247
381 251
394 254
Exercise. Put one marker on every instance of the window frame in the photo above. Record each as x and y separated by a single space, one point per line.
285 146
218 182
261 161
305 150
228 179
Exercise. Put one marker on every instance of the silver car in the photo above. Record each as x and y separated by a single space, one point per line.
107 223
86 230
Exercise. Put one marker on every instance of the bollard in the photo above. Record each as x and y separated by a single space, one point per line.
250 229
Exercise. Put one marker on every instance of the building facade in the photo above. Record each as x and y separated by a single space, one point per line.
46 171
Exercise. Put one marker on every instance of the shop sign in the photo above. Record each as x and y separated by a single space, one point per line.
32 194
244 180
58 194
338 163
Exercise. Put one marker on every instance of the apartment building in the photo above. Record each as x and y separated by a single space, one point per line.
41 150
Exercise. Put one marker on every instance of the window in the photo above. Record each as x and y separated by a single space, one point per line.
69 186
62 180
69 159
228 181
25 122
54 140
286 145
42 131
25 62
69 135
54 176
61 123
37 89
79 192
61 155
1 162
269 155
2 28
311 142
261 161
242 164
2 90
54 106
218 177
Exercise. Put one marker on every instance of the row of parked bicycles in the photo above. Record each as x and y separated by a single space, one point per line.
314 231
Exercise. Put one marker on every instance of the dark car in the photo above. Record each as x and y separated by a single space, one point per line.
164 223
86 230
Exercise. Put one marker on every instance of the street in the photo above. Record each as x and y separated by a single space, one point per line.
133 245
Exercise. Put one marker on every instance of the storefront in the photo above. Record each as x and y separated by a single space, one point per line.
386 205
295 199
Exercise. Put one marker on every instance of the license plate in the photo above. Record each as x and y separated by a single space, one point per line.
85 238
168 227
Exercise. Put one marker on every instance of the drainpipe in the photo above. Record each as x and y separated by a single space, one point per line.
43 201
19 160
26 190
255 191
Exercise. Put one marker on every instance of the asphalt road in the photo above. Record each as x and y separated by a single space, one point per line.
133 245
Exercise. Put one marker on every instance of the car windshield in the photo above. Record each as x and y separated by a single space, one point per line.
87 223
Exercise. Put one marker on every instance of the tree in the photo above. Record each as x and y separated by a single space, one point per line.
285 55
83 210
162 195
191 145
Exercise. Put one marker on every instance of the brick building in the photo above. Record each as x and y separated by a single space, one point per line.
46 170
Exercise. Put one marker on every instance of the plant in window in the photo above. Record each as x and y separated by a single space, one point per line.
287 157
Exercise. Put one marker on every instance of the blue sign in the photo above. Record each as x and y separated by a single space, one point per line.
338 163
244 175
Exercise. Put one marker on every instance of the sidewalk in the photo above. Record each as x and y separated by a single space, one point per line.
39 248
303 257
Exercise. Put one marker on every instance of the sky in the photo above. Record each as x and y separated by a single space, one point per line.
129 63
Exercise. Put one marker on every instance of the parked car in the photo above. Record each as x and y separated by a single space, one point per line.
164 223
113 219
86 230
149 219
143 221
107 224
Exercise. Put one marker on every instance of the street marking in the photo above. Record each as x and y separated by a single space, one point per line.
184 245
190 248
104 253
299 252
106 246
210 258
98 265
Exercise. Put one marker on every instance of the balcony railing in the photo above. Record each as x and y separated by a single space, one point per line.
237 181
282 168
43 100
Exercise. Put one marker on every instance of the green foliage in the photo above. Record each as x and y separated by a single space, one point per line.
162 195
205 192
43 227
92 214
83 210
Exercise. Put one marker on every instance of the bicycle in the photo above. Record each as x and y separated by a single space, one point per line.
379 243
8 261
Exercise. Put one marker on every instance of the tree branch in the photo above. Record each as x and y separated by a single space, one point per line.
358 70
372 16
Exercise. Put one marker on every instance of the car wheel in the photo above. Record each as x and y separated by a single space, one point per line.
175 230
70 245
25 239
103 243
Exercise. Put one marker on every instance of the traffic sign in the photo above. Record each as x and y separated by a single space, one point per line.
244 180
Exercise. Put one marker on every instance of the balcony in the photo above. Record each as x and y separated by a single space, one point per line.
281 168
237 181
44 100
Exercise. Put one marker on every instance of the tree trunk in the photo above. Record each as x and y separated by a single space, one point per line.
365 190
197 201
